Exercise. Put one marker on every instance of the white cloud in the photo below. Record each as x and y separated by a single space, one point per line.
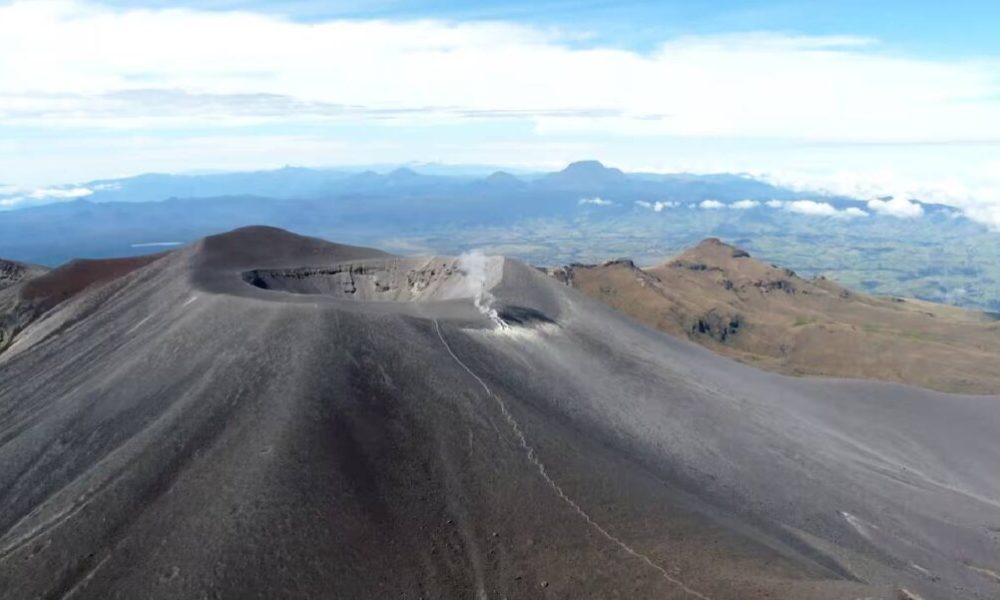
822 209
12 197
83 63
896 205
60 193
738 205
986 212
902 195
129 74
657 206
597 201
775 203
811 207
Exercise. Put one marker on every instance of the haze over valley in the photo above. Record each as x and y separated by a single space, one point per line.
586 212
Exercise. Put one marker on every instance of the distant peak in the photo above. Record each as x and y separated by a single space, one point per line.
589 166
715 244
586 175
585 164
622 261
713 253
403 173
502 177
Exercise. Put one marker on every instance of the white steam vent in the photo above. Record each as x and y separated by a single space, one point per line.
481 273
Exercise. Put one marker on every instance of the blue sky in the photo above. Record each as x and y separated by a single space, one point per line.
855 97
930 28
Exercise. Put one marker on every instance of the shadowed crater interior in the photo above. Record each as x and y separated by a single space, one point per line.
385 279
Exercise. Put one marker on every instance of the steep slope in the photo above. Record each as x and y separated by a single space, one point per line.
37 290
13 272
720 297
193 433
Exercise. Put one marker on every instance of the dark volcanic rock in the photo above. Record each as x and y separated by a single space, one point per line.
717 326
13 272
177 432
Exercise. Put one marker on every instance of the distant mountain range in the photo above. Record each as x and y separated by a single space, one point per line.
302 183
586 212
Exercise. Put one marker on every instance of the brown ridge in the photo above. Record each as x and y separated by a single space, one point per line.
719 296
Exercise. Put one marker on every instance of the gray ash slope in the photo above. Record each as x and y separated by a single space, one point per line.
13 272
261 415
13 275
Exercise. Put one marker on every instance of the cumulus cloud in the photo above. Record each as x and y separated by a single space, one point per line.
710 204
818 87
12 197
657 206
60 193
986 212
596 201
744 204
811 207
976 193
817 208
238 68
896 206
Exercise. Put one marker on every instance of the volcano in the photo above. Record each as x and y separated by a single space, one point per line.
263 415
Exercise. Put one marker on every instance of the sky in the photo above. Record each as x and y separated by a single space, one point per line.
863 98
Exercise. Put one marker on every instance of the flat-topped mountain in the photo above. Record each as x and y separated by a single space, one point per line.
260 415
765 315
586 175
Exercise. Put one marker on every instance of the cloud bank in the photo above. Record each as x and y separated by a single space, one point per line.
86 64
817 208
178 89
12 197
896 206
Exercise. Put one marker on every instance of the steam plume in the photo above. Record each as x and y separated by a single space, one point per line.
474 266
